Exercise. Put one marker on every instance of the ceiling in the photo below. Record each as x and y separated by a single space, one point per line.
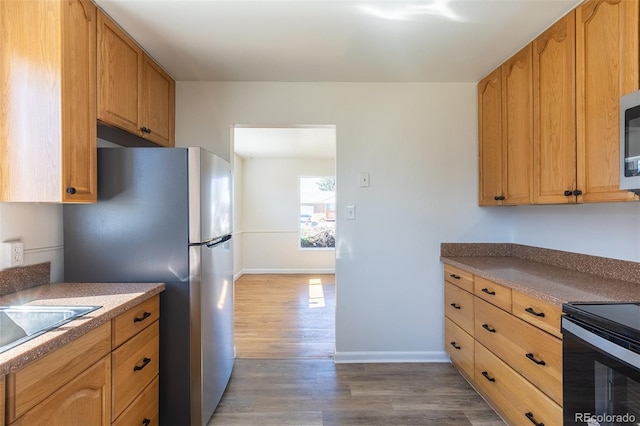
329 41
333 40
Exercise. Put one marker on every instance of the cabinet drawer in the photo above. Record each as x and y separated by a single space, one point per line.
458 306
494 293
40 378
135 319
528 350
135 364
144 410
459 346
542 314
462 279
517 399
2 388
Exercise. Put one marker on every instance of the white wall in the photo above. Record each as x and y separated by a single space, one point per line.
39 226
238 236
271 217
419 144
607 230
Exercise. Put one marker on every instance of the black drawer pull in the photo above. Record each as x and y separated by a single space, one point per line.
488 328
537 361
489 292
486 376
143 317
532 312
456 306
146 422
532 420
455 277
454 345
145 361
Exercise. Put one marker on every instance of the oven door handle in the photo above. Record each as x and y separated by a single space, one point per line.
602 344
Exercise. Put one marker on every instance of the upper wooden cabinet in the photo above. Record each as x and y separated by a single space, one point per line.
505 132
134 92
607 62
490 139
48 112
554 118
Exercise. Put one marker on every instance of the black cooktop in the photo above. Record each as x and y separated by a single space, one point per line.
620 318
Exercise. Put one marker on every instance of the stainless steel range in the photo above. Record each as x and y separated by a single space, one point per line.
601 364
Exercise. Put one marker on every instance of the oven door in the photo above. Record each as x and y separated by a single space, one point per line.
601 379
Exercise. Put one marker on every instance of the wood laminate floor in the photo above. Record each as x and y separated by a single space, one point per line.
285 374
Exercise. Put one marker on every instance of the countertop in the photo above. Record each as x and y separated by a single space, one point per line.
537 272
115 298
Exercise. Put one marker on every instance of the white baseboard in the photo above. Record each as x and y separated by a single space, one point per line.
395 357
288 271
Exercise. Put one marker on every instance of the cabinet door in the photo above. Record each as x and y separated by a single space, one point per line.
607 67
86 400
119 61
517 127
490 139
158 103
554 131
79 167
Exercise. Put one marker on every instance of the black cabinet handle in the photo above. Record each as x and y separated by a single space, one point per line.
532 420
489 292
145 361
568 193
533 358
143 317
71 190
455 277
499 197
456 306
486 376
577 192
454 345
488 328
145 130
146 422
532 312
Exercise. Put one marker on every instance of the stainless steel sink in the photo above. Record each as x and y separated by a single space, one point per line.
21 323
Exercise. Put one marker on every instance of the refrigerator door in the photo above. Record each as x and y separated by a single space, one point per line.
212 348
209 196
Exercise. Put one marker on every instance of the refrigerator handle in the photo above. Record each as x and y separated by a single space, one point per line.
218 241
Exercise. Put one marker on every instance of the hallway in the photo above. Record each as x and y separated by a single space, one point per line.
285 374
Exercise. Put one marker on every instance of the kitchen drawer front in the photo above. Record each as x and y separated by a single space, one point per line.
135 319
462 279
135 365
37 380
528 350
144 410
542 314
512 394
494 293
459 346
458 306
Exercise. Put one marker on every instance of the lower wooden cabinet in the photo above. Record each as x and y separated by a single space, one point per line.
85 400
144 409
512 353
2 399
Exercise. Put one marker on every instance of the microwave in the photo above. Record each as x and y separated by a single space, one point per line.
630 142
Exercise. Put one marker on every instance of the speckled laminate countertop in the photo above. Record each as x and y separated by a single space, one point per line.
555 276
114 298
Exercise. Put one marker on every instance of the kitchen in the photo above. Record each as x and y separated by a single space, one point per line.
424 176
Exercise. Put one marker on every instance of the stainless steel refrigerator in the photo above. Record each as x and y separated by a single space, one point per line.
164 215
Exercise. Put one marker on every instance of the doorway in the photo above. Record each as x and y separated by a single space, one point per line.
285 286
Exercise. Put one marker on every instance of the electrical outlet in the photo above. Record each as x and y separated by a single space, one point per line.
13 254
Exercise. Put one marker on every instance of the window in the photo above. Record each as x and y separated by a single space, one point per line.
318 212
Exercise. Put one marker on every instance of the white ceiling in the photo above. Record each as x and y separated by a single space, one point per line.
330 40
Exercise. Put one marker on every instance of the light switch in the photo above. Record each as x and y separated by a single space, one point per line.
351 212
364 179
